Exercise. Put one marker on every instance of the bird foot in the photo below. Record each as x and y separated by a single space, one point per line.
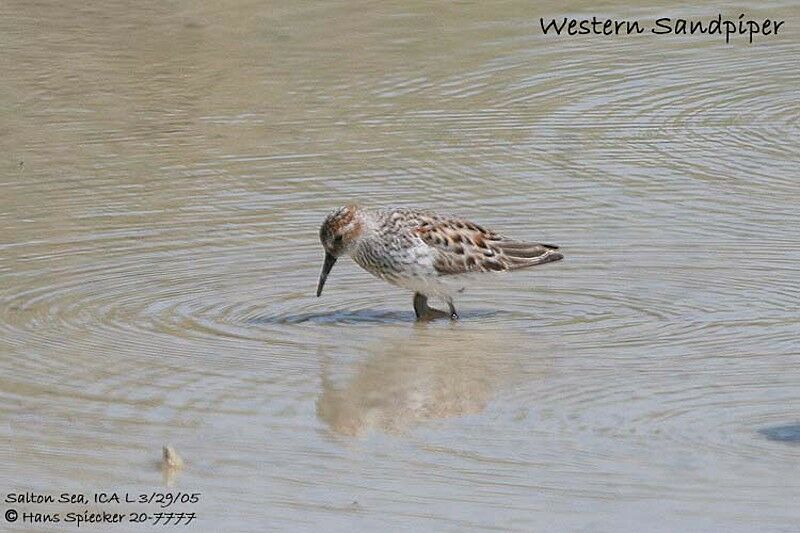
432 314
426 314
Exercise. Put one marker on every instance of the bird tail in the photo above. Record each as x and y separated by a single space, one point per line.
528 254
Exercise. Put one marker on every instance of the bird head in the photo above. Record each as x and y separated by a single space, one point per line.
339 234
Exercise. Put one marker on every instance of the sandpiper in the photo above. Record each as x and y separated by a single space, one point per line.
422 251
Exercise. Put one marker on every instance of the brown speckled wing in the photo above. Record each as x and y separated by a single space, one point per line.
464 247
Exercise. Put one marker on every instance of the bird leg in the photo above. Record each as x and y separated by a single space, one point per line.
453 314
425 313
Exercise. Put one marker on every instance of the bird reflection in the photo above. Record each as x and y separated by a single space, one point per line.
413 378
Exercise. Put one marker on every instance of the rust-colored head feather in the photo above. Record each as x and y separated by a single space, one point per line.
338 234
341 229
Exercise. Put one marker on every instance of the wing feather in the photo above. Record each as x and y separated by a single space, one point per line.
462 247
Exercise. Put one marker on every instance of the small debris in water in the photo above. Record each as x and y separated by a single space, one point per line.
790 433
171 459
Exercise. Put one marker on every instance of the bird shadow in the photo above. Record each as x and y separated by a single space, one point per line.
406 379
361 316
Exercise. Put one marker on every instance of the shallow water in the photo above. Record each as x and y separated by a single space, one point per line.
165 169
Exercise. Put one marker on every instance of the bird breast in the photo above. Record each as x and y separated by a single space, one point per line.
393 260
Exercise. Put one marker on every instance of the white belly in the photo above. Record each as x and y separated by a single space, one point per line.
429 286
410 268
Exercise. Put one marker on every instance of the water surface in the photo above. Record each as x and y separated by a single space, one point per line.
165 170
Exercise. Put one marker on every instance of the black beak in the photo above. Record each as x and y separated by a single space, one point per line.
330 260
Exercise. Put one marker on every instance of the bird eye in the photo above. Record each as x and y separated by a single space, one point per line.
337 239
